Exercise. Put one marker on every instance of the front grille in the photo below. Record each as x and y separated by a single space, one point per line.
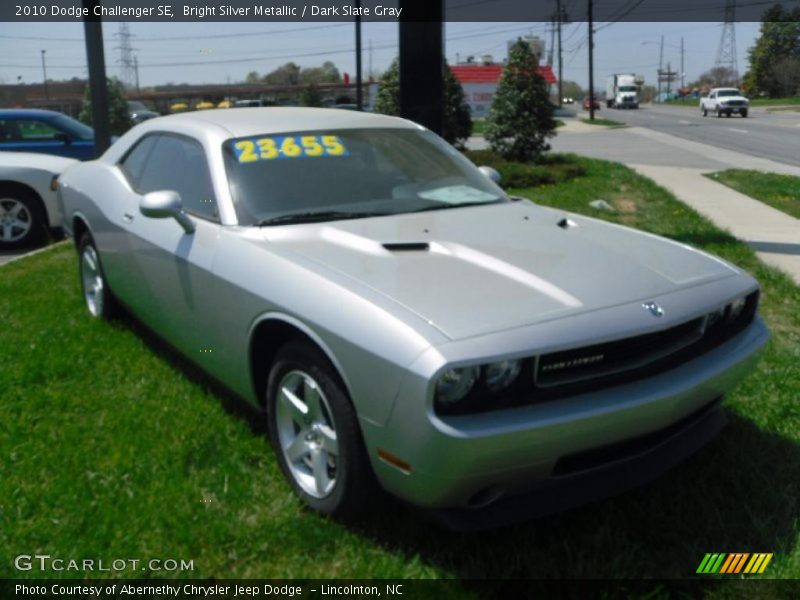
600 360
734 103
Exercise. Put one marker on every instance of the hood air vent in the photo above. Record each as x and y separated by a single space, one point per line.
407 246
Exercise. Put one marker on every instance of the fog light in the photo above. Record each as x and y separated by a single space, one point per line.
502 374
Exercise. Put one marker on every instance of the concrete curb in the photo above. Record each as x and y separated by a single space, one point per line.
33 253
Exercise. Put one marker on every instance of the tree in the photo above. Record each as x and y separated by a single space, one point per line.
521 116
252 77
387 99
779 39
786 77
120 119
717 77
288 74
456 120
310 96
327 73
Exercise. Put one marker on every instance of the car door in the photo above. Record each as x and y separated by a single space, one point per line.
174 268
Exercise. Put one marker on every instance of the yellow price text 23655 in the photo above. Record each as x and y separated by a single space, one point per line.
270 148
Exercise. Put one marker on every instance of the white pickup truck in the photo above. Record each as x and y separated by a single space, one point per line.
724 101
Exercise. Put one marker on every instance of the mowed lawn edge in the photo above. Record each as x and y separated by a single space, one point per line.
112 446
781 192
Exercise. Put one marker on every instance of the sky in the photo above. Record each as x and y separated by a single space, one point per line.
226 52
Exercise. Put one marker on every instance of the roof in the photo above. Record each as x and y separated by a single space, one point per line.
492 73
242 122
28 112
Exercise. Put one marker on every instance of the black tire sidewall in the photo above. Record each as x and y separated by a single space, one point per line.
353 474
34 208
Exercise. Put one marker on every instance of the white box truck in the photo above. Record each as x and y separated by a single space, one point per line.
622 91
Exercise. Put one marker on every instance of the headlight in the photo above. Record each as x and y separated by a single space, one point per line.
502 374
737 306
455 384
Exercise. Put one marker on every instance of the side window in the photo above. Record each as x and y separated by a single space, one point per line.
132 165
179 164
26 130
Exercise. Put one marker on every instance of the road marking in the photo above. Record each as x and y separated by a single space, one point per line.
738 130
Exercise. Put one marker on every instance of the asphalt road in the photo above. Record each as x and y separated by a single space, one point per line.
772 135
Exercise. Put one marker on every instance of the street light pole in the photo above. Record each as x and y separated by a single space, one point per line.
683 71
44 76
560 12
359 93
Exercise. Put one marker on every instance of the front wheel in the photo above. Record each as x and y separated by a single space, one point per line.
704 111
314 431
744 114
21 220
99 300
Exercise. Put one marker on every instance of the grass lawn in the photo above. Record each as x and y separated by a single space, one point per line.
603 122
779 191
111 446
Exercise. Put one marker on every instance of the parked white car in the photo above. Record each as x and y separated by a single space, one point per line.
28 203
724 101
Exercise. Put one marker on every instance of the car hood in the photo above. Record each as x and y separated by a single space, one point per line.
475 270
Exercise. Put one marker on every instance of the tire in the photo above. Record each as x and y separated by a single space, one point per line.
719 113
744 114
704 110
728 115
315 434
22 219
97 295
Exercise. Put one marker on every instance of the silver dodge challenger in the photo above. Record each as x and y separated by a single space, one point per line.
403 323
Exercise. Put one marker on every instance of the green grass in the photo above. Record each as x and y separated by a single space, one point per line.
111 446
604 122
779 191
792 100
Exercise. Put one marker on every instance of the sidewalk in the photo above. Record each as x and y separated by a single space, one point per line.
774 235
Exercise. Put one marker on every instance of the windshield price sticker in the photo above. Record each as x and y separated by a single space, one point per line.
290 146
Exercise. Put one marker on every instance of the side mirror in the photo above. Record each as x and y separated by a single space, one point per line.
491 173
164 204
63 137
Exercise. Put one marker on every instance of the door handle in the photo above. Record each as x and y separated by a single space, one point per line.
127 218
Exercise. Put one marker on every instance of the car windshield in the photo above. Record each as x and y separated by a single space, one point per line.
311 176
75 128
627 88
722 93
136 105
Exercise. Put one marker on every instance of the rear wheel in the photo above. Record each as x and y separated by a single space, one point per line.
704 110
719 113
100 302
21 219
314 431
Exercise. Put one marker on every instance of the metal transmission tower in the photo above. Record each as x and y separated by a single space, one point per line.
127 61
726 54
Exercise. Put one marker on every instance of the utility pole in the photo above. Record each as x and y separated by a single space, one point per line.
683 69
370 60
359 92
552 40
95 58
591 61
44 76
660 68
560 11
136 71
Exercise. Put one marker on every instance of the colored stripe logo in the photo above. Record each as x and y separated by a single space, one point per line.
734 563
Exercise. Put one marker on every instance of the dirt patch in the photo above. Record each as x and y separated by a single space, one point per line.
625 205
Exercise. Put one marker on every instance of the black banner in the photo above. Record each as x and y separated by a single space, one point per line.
391 10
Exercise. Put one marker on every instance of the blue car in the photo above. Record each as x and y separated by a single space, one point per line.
46 131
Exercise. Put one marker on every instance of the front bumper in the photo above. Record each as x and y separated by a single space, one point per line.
468 462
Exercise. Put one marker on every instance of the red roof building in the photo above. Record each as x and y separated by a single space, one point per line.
491 73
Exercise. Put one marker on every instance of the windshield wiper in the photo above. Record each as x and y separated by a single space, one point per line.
316 217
